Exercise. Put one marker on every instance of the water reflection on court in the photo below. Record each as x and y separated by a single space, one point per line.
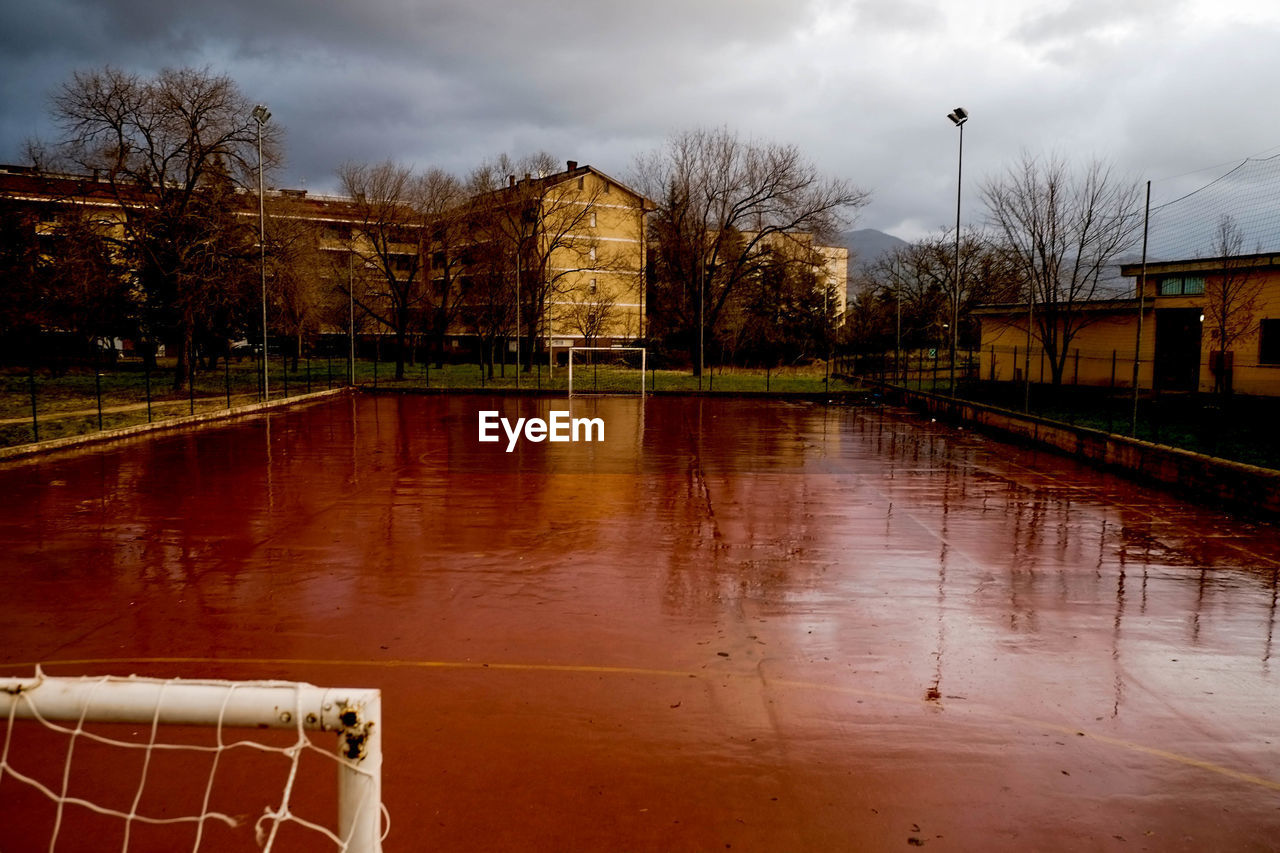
764 624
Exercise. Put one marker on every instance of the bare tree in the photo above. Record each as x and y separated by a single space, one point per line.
1231 300
921 275
589 314
721 201
23 308
390 222
490 307
84 288
1062 230
446 252
542 221
298 273
173 148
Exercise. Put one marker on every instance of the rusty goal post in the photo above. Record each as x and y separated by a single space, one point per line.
352 715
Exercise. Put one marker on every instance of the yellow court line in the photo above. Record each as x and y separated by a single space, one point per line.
1155 752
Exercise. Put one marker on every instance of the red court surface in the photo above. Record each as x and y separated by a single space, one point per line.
744 625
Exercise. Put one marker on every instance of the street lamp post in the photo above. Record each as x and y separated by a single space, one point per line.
262 115
958 117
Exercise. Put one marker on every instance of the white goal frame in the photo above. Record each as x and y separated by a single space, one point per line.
354 714
640 350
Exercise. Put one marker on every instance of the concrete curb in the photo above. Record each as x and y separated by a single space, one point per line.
1223 482
814 396
72 442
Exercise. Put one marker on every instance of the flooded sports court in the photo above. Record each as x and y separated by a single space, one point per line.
730 625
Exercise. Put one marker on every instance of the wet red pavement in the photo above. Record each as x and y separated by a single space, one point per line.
734 625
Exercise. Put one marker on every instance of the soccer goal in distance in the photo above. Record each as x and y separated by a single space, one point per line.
149 763
606 370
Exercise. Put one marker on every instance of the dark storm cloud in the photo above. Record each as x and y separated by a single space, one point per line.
861 86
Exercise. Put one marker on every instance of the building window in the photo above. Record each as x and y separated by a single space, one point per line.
1181 285
593 219
582 183
1269 342
607 186
592 286
593 253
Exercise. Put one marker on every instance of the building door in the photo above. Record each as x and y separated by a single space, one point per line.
1177 349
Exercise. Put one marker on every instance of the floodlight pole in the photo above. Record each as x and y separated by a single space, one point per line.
519 244
1137 345
702 295
261 116
897 344
958 117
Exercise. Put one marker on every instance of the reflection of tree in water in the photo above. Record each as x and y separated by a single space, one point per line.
736 509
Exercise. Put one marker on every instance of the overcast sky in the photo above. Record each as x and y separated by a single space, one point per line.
1167 90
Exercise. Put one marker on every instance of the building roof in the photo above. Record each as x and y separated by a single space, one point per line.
1093 305
572 171
1264 260
28 184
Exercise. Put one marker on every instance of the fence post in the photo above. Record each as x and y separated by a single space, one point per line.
97 388
226 372
35 420
146 370
191 383
284 357
308 371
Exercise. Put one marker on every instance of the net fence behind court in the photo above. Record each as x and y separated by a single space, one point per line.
1186 227
144 763
606 370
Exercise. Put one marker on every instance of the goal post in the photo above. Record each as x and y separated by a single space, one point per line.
352 714
607 370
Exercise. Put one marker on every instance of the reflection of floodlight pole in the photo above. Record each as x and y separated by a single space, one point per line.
958 117
262 115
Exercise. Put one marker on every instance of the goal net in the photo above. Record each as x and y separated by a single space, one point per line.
606 370
168 764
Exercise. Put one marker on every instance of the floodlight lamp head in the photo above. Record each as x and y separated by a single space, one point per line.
958 116
261 114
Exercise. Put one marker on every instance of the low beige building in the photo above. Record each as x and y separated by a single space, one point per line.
1185 308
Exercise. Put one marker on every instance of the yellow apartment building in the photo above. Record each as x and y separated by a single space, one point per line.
590 233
